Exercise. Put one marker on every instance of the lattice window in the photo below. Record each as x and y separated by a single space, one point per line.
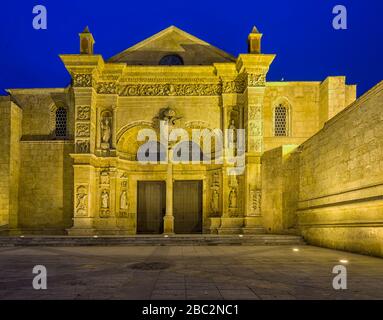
281 121
61 122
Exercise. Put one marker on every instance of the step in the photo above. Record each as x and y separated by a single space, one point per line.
151 240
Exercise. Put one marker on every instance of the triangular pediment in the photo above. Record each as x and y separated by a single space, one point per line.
172 41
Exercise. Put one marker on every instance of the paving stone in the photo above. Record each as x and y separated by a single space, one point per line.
104 273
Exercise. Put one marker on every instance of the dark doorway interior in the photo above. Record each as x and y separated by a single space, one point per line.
187 207
151 206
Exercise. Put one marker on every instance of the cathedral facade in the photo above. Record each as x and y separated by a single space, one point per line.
71 155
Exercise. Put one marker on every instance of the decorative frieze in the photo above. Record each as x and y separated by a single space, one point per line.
106 88
170 90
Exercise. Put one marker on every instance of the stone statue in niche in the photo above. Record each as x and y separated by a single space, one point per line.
124 201
104 200
106 130
232 133
233 199
81 204
215 202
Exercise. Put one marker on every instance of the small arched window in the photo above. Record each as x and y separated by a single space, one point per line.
281 121
61 123
171 60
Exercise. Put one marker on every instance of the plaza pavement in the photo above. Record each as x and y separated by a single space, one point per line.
187 272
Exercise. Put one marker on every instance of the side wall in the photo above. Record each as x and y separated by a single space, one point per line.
10 133
338 175
46 189
280 189
341 179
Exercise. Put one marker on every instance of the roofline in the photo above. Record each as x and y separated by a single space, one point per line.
162 32
35 90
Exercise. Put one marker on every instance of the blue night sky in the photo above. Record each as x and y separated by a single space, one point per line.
299 31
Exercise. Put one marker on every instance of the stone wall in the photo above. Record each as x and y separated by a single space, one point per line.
10 134
339 181
46 186
310 105
39 111
280 189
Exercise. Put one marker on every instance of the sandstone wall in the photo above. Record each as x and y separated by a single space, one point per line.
280 189
46 186
10 134
341 179
311 104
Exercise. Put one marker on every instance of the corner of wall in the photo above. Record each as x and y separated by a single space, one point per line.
10 123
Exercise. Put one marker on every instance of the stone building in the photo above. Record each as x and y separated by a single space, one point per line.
313 156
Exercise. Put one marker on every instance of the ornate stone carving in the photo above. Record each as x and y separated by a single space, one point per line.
255 202
124 205
255 128
236 86
82 146
255 144
233 196
81 201
197 124
106 88
256 80
82 80
83 113
105 199
82 130
106 129
214 202
255 112
171 90
104 178
104 212
233 199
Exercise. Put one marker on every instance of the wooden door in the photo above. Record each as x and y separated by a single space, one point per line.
187 207
151 206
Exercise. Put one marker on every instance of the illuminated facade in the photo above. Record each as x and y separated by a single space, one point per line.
70 154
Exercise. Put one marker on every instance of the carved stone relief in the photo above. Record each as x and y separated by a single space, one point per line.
82 130
255 202
82 80
104 204
81 209
214 201
82 146
83 113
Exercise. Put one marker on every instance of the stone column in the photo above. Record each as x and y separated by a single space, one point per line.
169 218
254 67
